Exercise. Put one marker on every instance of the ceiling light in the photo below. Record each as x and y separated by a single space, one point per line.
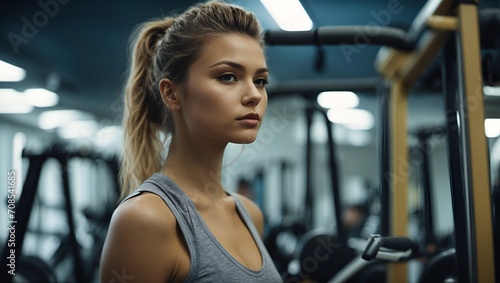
40 97
355 119
109 135
78 129
492 127
13 103
288 14
15 108
491 90
11 73
56 118
338 99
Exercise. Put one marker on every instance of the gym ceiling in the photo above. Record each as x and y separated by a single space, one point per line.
79 48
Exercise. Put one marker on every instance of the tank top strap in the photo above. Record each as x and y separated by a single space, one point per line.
245 215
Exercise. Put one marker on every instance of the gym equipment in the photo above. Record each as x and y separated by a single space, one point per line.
453 25
441 268
81 266
466 141
296 230
423 168
461 192
334 246
334 35
282 238
377 249
322 253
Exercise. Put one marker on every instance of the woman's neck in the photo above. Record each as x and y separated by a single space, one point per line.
196 167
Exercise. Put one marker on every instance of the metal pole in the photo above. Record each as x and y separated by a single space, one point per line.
309 180
22 214
75 248
335 187
474 142
459 196
384 157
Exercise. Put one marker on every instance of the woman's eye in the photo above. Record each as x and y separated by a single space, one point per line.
227 78
261 82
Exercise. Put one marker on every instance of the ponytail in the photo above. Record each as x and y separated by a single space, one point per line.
143 120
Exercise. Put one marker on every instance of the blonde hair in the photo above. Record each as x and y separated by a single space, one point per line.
165 48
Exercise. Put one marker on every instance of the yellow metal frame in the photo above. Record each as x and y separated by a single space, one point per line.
478 156
398 272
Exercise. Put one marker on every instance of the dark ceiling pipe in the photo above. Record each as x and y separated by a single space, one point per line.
337 35
317 86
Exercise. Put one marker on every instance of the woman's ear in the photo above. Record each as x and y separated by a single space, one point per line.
168 91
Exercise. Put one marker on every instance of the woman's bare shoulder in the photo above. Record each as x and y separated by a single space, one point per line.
146 210
138 235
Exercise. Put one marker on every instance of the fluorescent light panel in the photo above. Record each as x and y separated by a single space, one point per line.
355 119
78 129
14 101
290 15
40 97
338 99
20 108
491 90
11 73
57 118
492 127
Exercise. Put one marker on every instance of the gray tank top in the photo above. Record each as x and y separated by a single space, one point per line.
210 262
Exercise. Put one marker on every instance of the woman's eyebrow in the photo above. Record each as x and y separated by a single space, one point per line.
237 66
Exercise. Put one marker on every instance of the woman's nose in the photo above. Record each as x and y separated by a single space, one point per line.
253 94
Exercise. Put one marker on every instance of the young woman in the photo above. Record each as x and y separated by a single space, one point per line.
200 78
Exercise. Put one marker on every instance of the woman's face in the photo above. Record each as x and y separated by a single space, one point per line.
224 97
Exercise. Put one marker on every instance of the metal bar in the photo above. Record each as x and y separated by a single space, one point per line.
75 248
114 166
443 23
422 57
309 180
317 86
410 66
384 158
337 35
479 180
22 214
398 272
431 8
390 61
334 178
284 188
461 211
427 189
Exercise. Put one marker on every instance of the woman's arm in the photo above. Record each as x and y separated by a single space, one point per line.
136 245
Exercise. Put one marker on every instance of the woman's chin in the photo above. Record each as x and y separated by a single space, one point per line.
244 140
